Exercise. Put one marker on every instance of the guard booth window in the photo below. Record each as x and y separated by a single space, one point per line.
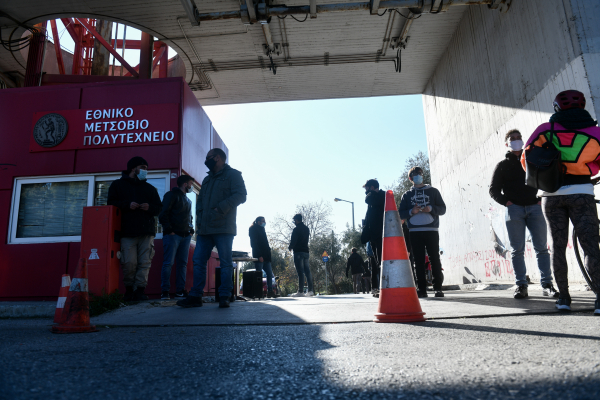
50 209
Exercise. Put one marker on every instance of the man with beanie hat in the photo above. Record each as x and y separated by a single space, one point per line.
139 203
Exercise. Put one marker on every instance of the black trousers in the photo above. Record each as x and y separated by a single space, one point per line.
376 263
430 241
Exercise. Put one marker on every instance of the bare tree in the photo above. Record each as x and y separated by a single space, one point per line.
315 215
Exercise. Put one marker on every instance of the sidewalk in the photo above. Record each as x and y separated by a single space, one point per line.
335 309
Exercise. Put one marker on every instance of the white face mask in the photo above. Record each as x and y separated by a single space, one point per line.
516 145
263 224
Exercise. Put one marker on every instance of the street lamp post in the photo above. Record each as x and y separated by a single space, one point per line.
351 202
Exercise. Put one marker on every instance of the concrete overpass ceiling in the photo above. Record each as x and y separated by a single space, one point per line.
335 55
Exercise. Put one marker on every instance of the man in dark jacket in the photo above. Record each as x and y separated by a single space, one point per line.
139 203
262 250
355 265
299 244
222 191
421 207
373 227
523 209
176 220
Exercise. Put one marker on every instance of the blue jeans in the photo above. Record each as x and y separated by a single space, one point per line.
301 263
204 246
176 250
517 218
266 265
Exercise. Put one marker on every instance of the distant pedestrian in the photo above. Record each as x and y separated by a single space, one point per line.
139 203
299 244
373 226
577 137
523 210
261 250
355 266
176 220
222 191
421 207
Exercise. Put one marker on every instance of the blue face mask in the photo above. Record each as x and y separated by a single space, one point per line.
142 175
263 224
418 179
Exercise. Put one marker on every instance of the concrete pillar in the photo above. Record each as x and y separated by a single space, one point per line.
500 71
101 61
146 53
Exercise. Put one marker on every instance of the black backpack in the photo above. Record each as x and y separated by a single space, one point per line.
544 169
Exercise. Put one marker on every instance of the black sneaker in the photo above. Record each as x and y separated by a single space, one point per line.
597 306
550 291
190 301
128 294
521 292
270 295
223 303
439 293
165 295
181 293
563 304
139 294
422 294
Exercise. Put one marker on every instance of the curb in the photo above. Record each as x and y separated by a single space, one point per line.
24 310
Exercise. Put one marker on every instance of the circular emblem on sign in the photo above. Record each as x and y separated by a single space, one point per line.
50 130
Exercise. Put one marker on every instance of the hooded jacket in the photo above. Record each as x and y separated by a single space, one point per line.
373 228
259 242
423 196
224 191
508 183
126 190
299 240
176 214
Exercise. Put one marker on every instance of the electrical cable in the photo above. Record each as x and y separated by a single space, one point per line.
405 17
284 17
305 18
381 15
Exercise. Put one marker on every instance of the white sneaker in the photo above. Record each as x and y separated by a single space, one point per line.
309 294
297 295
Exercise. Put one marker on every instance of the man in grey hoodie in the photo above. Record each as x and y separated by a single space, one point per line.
421 207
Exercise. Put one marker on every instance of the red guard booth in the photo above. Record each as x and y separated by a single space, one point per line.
61 148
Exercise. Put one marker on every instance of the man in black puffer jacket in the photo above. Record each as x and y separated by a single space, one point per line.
262 250
176 220
355 265
373 227
139 203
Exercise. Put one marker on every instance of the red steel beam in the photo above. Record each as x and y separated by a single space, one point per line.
70 26
108 47
59 58
164 62
157 55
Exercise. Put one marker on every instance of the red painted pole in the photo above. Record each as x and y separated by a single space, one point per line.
59 58
164 62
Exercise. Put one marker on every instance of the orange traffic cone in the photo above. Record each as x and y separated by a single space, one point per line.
398 301
76 314
62 297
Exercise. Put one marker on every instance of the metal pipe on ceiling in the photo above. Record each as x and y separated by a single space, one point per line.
303 10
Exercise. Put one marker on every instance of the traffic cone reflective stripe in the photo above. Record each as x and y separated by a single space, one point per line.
76 313
62 298
398 300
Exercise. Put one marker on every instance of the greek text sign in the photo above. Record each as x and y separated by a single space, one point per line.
142 125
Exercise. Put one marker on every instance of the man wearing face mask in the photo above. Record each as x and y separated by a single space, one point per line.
262 251
222 191
421 207
139 203
523 209
176 220
373 227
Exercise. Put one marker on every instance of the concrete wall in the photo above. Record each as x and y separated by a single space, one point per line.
501 71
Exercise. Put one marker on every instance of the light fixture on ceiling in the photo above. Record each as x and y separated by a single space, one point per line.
191 11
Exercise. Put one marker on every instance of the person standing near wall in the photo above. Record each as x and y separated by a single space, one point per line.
523 210
176 220
421 207
261 250
373 227
299 244
577 137
355 265
139 203
222 191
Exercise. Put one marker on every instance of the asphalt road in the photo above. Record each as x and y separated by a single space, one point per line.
530 356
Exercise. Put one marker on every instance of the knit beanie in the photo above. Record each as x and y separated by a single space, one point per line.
134 162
